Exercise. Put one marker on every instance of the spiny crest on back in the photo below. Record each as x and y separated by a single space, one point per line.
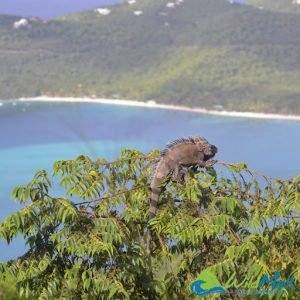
180 141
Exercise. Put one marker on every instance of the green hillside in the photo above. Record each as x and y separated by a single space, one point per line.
200 53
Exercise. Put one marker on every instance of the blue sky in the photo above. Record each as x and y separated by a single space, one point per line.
49 8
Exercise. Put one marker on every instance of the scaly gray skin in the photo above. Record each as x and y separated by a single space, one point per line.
185 152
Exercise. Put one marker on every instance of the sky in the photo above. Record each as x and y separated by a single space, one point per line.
49 8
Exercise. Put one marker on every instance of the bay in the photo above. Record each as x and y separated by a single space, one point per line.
34 135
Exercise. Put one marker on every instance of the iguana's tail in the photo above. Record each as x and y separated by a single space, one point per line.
152 212
153 202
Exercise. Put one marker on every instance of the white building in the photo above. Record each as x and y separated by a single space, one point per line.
131 2
296 1
103 11
138 12
170 4
21 23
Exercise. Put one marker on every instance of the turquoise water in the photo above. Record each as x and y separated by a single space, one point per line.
34 135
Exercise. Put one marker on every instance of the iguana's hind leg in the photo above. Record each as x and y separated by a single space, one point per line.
178 174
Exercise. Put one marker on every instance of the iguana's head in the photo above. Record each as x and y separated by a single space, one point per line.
205 147
210 151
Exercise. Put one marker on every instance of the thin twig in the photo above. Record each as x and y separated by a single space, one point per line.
251 171
136 157
114 195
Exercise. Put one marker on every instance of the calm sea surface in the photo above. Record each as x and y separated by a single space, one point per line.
34 135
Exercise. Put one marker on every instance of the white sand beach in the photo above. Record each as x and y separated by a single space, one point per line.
153 104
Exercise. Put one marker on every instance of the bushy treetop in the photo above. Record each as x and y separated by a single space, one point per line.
89 243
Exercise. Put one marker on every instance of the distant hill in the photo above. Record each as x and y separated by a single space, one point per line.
198 53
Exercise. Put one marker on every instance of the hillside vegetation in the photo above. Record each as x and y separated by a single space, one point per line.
199 53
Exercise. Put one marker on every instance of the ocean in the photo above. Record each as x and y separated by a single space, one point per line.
33 135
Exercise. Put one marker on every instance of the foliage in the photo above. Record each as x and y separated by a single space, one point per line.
201 53
90 242
8 290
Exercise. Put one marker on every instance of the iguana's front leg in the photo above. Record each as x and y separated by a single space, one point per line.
210 163
206 164
201 163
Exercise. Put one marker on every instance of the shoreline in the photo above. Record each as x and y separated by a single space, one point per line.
153 104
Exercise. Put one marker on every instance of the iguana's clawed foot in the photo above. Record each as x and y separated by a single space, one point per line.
210 163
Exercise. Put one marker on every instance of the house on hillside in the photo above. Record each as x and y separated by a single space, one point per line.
170 4
138 12
236 1
103 11
22 23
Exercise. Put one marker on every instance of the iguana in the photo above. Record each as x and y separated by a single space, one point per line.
184 152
